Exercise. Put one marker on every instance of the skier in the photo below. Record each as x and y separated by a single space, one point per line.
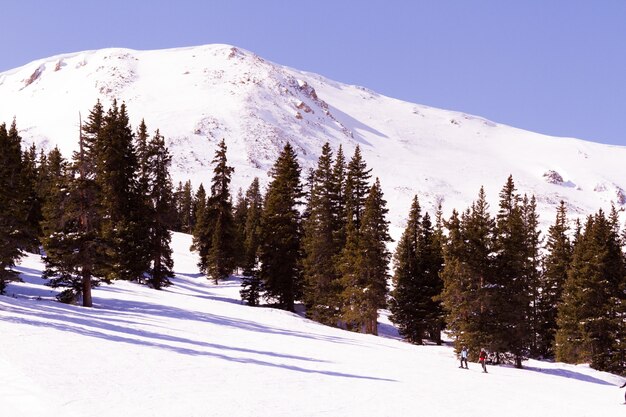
624 393
481 358
464 357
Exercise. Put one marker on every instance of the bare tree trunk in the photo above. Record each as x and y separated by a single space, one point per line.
87 301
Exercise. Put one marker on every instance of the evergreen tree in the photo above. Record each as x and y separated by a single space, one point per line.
406 296
123 205
252 285
468 275
161 199
201 229
186 209
220 260
280 247
239 219
555 264
321 228
74 250
16 234
365 265
357 177
509 294
534 270
590 316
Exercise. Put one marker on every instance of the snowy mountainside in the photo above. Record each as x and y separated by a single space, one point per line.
192 350
198 95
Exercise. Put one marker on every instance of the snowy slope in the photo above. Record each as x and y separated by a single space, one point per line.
199 95
194 351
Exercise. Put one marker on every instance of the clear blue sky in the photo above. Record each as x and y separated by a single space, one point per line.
555 67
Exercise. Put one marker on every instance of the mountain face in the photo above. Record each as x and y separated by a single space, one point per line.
197 96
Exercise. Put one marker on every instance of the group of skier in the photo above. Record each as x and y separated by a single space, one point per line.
482 359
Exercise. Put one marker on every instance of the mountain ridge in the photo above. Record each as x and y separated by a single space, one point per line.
199 95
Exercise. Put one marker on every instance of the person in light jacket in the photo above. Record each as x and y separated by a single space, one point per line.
464 358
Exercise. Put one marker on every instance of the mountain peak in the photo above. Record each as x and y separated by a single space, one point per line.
199 95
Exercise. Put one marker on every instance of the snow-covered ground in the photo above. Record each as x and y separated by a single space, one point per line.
194 350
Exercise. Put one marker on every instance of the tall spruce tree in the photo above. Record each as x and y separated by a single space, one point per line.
534 269
320 242
280 246
406 296
220 232
16 234
357 187
468 275
201 230
590 316
161 211
555 265
364 265
123 205
252 285
74 249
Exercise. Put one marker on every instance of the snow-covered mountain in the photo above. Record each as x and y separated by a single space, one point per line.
197 96
192 350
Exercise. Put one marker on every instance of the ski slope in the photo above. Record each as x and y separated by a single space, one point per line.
194 350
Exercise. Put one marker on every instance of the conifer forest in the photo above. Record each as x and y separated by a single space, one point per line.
489 276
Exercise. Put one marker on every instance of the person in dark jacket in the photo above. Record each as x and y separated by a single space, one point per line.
482 358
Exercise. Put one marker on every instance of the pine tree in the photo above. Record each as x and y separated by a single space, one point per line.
252 285
509 294
321 228
220 260
123 206
74 250
555 264
161 214
534 270
365 265
280 247
16 234
590 316
406 296
201 228
468 275
356 187
239 219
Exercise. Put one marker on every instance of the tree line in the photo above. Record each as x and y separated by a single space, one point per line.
320 239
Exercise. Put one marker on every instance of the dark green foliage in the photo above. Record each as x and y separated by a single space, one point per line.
279 246
357 187
555 264
161 211
509 294
321 242
219 221
122 203
74 249
16 231
591 314
364 265
239 219
252 285
201 230
418 261
468 274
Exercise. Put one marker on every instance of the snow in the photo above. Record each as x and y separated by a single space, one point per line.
199 95
194 350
